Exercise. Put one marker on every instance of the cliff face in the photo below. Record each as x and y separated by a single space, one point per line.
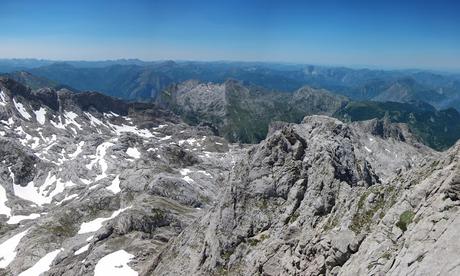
321 197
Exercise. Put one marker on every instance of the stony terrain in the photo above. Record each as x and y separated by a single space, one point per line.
84 175
91 185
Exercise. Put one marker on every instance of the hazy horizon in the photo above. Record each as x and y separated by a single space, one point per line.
359 34
350 66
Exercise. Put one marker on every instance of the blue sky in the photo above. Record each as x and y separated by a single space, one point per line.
387 34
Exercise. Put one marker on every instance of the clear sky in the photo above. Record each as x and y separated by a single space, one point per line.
389 34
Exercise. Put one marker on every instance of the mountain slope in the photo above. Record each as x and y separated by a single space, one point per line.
30 80
85 177
243 113
122 81
407 90
303 202
438 129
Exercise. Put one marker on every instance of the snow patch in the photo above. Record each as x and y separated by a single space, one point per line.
42 195
133 152
94 225
78 151
8 249
368 149
40 115
68 198
165 138
188 179
133 129
81 250
185 171
99 159
115 263
205 173
42 265
17 219
115 187
20 108
93 120
2 98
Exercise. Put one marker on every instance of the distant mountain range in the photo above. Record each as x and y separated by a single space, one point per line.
438 129
138 80
240 101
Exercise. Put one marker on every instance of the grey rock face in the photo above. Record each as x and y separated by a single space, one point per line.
86 175
300 203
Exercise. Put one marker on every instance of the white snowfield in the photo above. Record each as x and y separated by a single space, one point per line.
40 115
368 149
20 108
133 152
42 265
81 250
188 179
115 264
41 195
145 133
115 187
2 98
78 150
96 224
8 249
99 159
19 218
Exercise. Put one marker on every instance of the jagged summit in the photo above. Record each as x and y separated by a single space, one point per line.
296 204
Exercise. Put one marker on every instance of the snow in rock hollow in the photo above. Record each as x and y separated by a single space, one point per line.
115 187
133 152
70 119
78 150
93 120
115 263
145 133
8 249
99 159
2 98
42 265
19 218
185 171
20 108
188 179
68 198
96 224
42 195
4 210
40 115
81 250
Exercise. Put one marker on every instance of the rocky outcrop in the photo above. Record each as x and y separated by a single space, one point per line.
300 203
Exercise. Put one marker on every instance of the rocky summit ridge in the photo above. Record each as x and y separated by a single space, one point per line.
92 185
